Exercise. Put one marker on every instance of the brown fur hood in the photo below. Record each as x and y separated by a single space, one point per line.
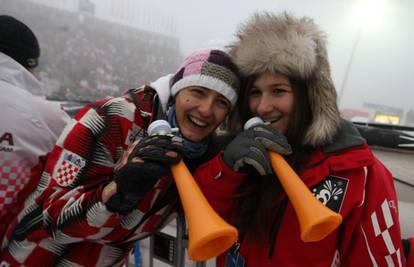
295 47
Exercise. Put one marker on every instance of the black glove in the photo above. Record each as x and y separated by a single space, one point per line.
142 165
249 149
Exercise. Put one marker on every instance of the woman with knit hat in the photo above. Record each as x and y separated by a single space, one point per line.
107 184
289 86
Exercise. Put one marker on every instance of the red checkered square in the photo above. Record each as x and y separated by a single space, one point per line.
66 173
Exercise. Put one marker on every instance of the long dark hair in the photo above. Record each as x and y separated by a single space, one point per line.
260 197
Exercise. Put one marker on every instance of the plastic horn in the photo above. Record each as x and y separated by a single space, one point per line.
209 234
315 219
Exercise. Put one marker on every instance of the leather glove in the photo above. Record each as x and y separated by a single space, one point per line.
142 165
249 149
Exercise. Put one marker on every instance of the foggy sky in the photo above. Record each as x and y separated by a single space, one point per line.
382 70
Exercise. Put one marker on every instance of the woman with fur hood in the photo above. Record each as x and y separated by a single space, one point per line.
288 85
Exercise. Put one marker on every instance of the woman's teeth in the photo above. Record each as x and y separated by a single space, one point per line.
270 121
198 122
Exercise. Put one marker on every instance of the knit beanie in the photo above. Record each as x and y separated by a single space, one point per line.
18 42
295 47
209 68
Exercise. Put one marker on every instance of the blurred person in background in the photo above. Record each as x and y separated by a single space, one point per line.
29 125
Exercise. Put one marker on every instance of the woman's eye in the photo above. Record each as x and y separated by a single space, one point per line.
198 92
223 103
279 91
254 92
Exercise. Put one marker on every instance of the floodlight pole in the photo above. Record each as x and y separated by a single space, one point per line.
349 65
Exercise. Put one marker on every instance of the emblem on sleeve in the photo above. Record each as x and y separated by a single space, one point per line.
67 168
331 192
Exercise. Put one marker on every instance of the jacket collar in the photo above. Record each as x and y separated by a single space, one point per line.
162 87
15 74
348 151
347 136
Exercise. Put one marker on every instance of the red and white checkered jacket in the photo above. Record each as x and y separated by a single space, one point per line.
65 223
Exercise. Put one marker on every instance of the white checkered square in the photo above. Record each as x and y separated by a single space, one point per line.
68 128
394 256
336 262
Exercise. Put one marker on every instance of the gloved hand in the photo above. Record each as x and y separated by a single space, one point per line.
142 165
249 149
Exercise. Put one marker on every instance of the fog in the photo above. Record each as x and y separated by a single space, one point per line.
379 57
382 68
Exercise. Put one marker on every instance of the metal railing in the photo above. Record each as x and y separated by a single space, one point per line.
169 249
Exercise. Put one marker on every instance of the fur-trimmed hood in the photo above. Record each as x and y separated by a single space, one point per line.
295 47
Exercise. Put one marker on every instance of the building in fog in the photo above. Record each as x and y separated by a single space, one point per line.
385 114
70 5
409 118
371 112
134 13
87 54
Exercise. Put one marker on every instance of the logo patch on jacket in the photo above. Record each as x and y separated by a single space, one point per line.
331 192
67 168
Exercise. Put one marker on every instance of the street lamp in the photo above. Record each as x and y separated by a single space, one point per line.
349 64
366 14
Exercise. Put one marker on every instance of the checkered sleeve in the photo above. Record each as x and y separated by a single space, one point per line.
80 165
373 230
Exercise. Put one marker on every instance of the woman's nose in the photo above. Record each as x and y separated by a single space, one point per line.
205 107
265 106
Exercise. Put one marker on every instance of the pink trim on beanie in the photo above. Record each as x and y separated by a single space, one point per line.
194 64
200 55
193 68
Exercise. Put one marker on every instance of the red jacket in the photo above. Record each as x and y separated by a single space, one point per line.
355 184
65 223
